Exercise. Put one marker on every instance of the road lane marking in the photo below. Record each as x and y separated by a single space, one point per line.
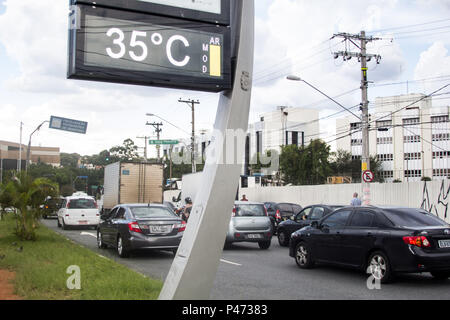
88 234
229 262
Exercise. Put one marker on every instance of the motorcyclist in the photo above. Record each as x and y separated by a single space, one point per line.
187 209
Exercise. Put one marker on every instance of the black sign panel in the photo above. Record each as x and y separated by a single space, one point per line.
133 48
212 11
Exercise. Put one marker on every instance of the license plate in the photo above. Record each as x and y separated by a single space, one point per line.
160 229
444 243
254 236
82 222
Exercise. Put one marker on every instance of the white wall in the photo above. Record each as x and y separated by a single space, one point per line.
432 196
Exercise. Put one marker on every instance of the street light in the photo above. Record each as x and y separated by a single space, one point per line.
295 78
29 143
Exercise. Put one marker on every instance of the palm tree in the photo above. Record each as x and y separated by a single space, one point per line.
26 195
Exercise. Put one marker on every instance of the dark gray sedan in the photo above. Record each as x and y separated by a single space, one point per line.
129 227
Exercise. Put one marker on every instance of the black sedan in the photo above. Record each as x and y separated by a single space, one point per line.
279 212
302 219
382 241
140 226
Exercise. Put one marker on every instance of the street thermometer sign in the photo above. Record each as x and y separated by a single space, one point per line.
130 47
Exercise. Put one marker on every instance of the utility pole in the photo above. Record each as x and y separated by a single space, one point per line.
19 164
158 131
191 104
145 147
363 57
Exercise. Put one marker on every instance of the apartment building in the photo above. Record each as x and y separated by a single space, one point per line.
408 135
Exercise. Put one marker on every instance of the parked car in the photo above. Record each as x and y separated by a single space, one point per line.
302 219
51 207
279 212
249 223
130 227
78 210
380 240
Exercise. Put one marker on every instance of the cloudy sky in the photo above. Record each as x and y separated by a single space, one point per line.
292 37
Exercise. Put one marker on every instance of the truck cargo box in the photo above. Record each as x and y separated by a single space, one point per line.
132 183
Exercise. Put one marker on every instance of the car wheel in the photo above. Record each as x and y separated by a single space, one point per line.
440 275
100 242
264 245
64 227
283 239
45 217
121 250
380 267
227 245
303 256
59 224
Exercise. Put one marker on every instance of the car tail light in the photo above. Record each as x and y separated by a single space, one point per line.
278 215
234 212
181 226
134 226
417 241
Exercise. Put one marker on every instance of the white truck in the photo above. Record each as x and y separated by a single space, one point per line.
132 183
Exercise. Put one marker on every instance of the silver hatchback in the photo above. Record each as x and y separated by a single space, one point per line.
250 223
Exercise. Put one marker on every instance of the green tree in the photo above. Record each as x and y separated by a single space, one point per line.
69 160
26 195
306 165
126 152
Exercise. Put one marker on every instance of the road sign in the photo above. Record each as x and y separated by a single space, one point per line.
68 125
368 176
211 11
164 142
134 48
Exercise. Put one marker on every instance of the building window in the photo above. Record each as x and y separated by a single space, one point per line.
387 174
411 121
411 139
413 156
385 157
356 142
384 124
384 140
441 154
356 157
441 137
355 126
258 142
413 173
10 148
439 119
441 172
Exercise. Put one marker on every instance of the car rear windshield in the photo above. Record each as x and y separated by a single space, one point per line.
250 210
152 212
82 204
413 218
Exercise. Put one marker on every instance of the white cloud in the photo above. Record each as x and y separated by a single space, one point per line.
434 62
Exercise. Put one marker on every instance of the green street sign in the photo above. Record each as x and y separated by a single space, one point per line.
163 142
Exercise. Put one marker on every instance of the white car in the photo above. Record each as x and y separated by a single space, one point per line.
78 211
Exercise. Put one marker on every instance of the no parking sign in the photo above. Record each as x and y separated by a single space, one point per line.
368 176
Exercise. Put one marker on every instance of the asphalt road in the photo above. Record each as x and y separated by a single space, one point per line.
249 273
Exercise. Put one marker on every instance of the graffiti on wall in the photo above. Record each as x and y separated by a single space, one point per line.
439 205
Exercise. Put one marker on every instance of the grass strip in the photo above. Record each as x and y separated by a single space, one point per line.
41 269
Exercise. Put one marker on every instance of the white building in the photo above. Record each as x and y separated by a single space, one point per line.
285 126
409 136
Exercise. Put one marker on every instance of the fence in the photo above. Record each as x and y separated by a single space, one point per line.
432 196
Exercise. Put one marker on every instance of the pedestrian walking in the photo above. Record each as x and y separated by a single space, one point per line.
356 202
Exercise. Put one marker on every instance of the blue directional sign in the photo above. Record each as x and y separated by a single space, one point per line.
68 125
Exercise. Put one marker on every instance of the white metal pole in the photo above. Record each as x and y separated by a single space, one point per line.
194 269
